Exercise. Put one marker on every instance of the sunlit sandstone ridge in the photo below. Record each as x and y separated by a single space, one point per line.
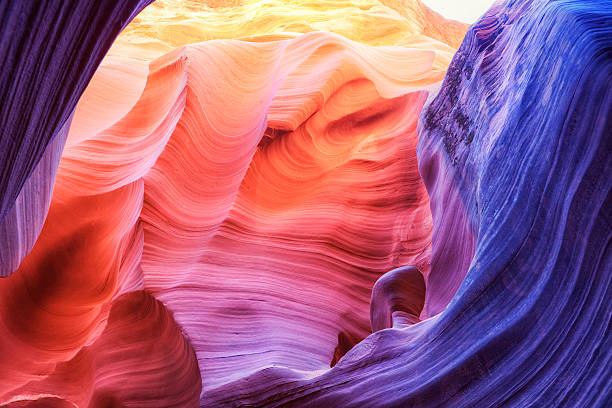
167 24
256 185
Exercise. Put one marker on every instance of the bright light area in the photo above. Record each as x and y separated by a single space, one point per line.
467 11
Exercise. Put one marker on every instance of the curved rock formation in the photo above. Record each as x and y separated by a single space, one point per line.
128 365
515 153
168 24
90 247
49 52
257 188
397 298
243 221
279 194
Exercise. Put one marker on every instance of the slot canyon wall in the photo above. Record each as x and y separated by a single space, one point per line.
315 204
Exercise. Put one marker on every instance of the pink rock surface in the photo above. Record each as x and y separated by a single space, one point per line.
288 186
257 189
234 222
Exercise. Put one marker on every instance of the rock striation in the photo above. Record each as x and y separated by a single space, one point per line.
255 188
292 212
49 52
515 153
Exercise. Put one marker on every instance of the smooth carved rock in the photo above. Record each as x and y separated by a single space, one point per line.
49 52
397 299
257 188
231 218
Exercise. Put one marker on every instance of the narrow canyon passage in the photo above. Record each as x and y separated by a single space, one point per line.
264 203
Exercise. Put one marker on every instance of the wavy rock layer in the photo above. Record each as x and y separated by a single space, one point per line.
263 215
49 52
515 153
142 346
257 188
168 24
232 218
89 250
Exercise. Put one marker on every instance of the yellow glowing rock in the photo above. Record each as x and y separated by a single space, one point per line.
167 24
